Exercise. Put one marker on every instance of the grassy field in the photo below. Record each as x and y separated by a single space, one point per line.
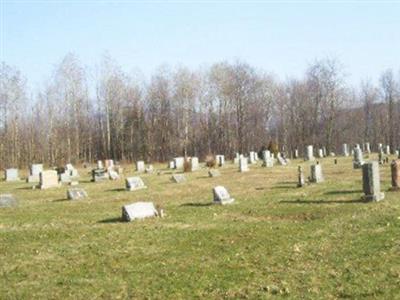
275 241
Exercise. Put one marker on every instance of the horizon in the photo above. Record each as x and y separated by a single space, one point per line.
142 36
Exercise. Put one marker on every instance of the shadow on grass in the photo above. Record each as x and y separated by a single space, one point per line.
343 192
322 201
26 188
60 200
112 220
117 190
294 186
197 204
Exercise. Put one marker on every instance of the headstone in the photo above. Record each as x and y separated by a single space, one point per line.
243 166
134 183
268 160
345 150
387 150
71 171
140 167
113 175
358 158
221 196
300 176
214 173
320 153
310 153
149 169
138 210
282 161
171 164
99 175
220 160
397 153
73 183
368 148
7 200
252 157
48 179
316 174
296 154
65 178
179 162
11 175
76 193
395 172
178 178
99 164
109 163
324 152
194 164
34 172
380 157
371 182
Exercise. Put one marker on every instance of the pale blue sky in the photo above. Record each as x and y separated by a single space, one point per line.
281 38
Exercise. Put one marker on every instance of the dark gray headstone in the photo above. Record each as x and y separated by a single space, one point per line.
371 182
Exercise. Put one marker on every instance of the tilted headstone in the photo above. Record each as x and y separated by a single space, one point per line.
358 158
220 160
194 164
179 162
316 174
7 200
48 179
345 150
134 183
243 166
214 173
310 153
221 196
140 167
11 175
34 172
76 194
178 178
300 176
138 210
371 182
99 175
282 161
395 172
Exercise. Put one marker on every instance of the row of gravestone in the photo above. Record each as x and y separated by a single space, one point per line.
370 178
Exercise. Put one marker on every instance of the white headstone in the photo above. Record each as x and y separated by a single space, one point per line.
11 175
140 167
179 162
194 164
243 166
316 174
76 193
48 179
310 153
134 183
138 210
221 196
220 160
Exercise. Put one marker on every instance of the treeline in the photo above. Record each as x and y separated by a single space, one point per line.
229 107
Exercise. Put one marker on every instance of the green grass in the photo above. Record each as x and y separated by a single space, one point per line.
275 241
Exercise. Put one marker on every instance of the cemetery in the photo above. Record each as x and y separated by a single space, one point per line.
330 220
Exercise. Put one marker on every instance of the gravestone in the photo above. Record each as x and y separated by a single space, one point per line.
171 164
76 194
220 160
7 200
380 147
194 164
397 153
316 174
395 172
138 210
99 164
282 161
65 177
320 153
140 167
119 170
368 148
296 154
371 182
149 169
358 158
71 171
11 175
179 162
109 163
134 183
243 166
113 175
300 175
310 153
34 172
268 160
214 173
345 150
324 152
252 157
48 179
99 175
387 150
221 196
178 178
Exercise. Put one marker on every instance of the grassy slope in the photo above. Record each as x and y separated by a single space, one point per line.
275 241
